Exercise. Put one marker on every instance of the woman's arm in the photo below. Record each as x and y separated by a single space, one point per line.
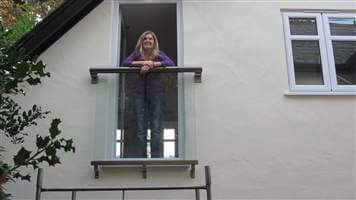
130 60
138 63
165 60
133 59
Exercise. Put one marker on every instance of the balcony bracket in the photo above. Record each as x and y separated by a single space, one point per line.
96 171
144 171
94 77
197 77
192 171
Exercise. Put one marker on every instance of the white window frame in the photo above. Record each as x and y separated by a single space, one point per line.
329 39
326 52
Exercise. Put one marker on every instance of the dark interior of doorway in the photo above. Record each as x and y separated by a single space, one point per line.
135 19
159 18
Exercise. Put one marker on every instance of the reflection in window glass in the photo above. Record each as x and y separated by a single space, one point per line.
169 143
118 134
149 149
342 26
148 134
345 62
118 149
169 149
307 63
169 134
303 26
119 142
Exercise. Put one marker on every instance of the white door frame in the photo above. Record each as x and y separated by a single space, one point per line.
116 22
115 58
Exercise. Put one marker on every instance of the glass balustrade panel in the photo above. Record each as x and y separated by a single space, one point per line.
147 116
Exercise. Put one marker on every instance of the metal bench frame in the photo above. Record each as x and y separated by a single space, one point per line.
207 187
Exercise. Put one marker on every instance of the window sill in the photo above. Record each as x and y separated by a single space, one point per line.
319 93
143 163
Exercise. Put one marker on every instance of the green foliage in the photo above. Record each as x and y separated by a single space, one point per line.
16 67
13 123
17 70
46 151
4 168
25 23
4 196
11 11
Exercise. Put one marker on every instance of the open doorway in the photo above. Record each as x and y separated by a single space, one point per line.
159 18
136 19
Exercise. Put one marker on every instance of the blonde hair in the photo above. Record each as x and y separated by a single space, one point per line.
139 45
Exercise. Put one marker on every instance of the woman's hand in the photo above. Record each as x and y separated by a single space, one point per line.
157 64
148 63
144 69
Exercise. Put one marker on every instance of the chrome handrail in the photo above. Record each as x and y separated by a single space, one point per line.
95 71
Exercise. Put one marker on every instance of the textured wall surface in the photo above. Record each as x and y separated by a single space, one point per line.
274 146
259 143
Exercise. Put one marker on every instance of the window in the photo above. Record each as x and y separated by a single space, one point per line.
170 147
321 51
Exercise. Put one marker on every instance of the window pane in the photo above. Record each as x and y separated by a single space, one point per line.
169 134
148 134
345 62
169 149
343 26
148 149
118 134
307 63
118 149
303 26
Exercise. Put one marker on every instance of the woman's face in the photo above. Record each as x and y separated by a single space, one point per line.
148 42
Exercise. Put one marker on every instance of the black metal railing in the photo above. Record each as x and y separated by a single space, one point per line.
207 187
95 71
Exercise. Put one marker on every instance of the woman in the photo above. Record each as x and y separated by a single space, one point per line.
149 89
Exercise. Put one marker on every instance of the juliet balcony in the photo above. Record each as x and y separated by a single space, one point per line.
145 120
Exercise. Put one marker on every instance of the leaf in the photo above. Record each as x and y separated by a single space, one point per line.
26 177
53 161
24 115
54 131
42 159
42 142
39 69
57 144
34 164
21 156
33 81
21 71
51 151
69 146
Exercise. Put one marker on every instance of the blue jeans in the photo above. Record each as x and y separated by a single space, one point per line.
149 107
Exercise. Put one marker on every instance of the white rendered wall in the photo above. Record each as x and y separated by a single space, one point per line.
270 145
259 143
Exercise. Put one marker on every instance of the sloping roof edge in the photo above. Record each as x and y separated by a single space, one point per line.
55 25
